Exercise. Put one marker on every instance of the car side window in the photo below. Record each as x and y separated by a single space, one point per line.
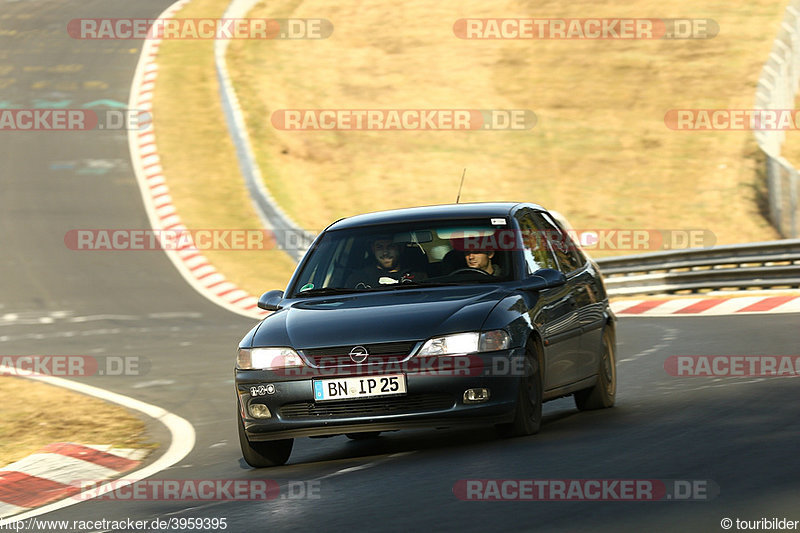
569 256
535 249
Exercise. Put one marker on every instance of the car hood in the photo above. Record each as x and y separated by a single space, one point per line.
367 318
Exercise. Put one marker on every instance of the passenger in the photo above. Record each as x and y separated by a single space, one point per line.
386 269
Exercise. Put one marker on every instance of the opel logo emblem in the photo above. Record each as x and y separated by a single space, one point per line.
359 354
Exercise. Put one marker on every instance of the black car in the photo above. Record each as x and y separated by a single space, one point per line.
440 316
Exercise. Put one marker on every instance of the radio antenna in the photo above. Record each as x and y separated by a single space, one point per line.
462 184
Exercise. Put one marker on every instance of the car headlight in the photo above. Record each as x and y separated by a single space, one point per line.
267 358
464 343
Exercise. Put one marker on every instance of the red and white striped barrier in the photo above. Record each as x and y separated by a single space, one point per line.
707 306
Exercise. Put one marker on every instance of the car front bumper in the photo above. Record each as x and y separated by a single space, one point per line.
434 398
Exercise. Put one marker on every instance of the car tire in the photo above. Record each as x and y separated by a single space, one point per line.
604 392
263 454
362 436
528 410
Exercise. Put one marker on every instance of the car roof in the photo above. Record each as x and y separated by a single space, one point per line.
433 212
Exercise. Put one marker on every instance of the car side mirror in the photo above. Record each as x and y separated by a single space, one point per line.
544 278
271 300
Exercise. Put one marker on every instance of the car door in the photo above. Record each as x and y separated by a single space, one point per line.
581 279
559 323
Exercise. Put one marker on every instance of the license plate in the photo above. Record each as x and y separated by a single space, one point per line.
359 387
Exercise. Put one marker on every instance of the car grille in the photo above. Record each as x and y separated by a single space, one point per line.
387 352
383 406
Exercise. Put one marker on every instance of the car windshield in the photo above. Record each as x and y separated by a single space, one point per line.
399 256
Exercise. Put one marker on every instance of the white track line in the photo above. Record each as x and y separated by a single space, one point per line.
181 432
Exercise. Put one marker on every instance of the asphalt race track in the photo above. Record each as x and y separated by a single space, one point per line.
739 434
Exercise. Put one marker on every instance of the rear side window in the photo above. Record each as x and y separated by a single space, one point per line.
568 254
535 249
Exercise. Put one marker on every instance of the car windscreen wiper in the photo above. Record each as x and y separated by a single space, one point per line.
325 291
409 285
418 284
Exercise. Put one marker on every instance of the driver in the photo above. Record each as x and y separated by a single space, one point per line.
482 260
386 268
478 253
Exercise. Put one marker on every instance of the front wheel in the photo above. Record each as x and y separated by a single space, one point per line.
528 411
604 392
263 454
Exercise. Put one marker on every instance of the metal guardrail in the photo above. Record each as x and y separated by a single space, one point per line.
765 265
289 236
777 87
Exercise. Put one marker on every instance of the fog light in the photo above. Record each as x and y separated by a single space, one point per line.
476 395
259 410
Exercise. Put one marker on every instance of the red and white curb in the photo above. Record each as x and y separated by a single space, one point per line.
57 471
192 265
707 306
18 498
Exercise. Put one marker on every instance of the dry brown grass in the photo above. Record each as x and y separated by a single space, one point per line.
600 153
45 414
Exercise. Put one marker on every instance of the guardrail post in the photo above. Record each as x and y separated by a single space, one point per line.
793 202
774 192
